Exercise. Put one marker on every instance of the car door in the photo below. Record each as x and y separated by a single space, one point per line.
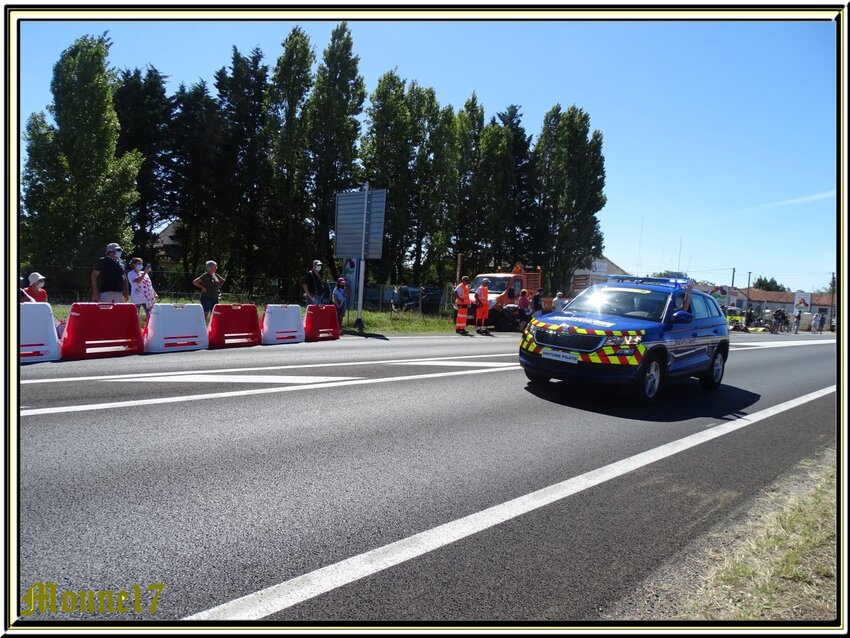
707 318
681 339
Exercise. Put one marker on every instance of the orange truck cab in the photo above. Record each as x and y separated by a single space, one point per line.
505 288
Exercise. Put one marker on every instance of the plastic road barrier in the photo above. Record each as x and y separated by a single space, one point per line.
38 333
101 330
320 323
176 327
234 325
282 324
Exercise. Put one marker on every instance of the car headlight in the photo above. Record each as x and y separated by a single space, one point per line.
629 340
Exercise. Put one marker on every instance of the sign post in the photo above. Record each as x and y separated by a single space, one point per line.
360 231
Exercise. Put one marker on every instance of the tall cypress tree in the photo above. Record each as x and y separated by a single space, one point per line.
467 218
144 113
196 134
245 165
333 109
387 154
76 192
288 128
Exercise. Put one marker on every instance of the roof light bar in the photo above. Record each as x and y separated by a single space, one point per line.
664 281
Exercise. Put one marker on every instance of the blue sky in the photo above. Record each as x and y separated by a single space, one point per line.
719 136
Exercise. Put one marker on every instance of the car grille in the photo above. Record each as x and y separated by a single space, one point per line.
583 343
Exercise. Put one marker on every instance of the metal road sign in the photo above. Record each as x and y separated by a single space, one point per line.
350 208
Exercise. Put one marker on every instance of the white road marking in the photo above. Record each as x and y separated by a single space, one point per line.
62 409
455 364
297 590
754 345
235 378
298 366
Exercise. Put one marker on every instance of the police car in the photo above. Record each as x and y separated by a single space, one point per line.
636 331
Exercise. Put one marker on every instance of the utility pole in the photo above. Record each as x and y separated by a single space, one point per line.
733 278
361 278
749 272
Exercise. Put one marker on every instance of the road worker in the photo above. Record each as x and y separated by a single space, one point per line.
482 307
462 304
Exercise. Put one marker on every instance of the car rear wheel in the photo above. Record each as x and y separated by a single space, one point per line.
650 380
712 377
535 378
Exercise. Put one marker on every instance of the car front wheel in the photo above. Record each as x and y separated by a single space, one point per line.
712 377
649 382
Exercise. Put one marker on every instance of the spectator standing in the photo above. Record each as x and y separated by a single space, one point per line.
524 306
749 319
108 281
777 320
821 322
142 294
312 284
36 288
210 284
798 318
340 299
559 303
537 304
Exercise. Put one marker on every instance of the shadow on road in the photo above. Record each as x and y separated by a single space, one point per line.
365 335
682 400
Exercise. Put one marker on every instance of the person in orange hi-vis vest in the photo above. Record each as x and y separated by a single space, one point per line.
482 307
462 305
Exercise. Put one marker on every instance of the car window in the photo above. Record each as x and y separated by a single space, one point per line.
699 308
714 309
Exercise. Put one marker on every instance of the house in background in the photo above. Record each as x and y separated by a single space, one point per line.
596 274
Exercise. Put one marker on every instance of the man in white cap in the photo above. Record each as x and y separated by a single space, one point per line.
108 281
36 288
312 284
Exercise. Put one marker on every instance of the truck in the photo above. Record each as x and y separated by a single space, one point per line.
504 292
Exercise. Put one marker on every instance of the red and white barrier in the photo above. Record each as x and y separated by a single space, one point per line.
282 324
38 333
320 323
101 330
176 327
234 325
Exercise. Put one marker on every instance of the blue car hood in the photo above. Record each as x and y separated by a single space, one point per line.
597 321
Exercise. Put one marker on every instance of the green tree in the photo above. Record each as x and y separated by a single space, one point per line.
442 191
549 160
466 224
387 154
245 168
519 189
670 274
287 123
332 111
144 113
770 285
76 192
195 132
579 172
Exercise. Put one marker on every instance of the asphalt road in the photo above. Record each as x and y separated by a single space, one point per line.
224 473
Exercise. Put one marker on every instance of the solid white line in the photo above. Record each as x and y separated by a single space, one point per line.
236 378
292 592
455 364
62 409
141 375
755 345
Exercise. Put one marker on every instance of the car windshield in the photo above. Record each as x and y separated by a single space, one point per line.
497 284
625 302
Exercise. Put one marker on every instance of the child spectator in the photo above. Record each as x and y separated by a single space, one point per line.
142 294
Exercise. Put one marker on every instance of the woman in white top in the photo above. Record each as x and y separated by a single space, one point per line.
142 293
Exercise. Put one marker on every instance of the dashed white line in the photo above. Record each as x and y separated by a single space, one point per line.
297 590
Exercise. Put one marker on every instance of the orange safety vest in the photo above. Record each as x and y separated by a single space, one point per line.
463 298
482 296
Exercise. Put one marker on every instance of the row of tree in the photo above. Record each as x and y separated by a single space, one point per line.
250 171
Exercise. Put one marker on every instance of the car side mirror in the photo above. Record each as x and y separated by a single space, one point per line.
682 316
